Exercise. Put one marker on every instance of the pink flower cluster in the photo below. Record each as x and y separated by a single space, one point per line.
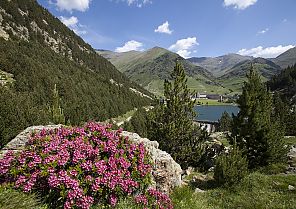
154 199
83 166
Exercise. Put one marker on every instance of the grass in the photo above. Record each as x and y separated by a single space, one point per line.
13 199
255 191
194 84
199 84
211 102
122 118
235 84
290 140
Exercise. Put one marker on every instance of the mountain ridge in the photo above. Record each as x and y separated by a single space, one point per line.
149 68
216 65
286 59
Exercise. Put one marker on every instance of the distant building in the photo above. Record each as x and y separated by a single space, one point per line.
214 96
201 96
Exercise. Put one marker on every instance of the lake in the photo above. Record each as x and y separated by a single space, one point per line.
214 112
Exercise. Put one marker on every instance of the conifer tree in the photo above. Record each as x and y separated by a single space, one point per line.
57 113
171 122
253 127
225 122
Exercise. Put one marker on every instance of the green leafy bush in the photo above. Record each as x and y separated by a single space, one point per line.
231 168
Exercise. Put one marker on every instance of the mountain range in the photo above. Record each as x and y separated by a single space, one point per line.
286 59
216 65
150 68
223 74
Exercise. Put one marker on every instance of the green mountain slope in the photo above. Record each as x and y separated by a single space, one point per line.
285 83
234 77
151 67
216 65
37 51
288 58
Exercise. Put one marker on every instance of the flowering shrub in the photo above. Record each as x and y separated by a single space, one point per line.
154 199
79 167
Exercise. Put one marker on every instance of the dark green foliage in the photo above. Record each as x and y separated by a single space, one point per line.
285 82
171 123
138 123
85 95
231 167
225 122
56 112
284 86
256 132
18 111
82 77
285 114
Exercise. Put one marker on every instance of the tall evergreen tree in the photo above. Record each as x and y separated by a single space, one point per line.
253 127
171 122
57 113
225 122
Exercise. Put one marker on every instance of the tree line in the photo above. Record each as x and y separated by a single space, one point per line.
255 134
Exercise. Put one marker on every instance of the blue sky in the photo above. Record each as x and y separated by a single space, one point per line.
199 28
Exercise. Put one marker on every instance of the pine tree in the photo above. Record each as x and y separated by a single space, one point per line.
225 122
253 127
57 113
171 122
231 167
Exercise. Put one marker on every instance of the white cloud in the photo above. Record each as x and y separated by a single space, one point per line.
138 3
239 4
183 46
69 5
130 46
69 21
164 28
263 31
269 52
72 23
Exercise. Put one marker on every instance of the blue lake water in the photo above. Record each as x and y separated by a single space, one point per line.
214 113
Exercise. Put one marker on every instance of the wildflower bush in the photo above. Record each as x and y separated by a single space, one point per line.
154 199
81 167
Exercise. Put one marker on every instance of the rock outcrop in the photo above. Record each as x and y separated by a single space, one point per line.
166 172
292 160
19 142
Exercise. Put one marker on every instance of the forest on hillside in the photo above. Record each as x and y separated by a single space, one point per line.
42 53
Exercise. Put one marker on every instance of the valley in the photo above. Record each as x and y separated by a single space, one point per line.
223 75
147 104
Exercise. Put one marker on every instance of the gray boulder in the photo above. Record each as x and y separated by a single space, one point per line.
20 140
292 160
166 172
